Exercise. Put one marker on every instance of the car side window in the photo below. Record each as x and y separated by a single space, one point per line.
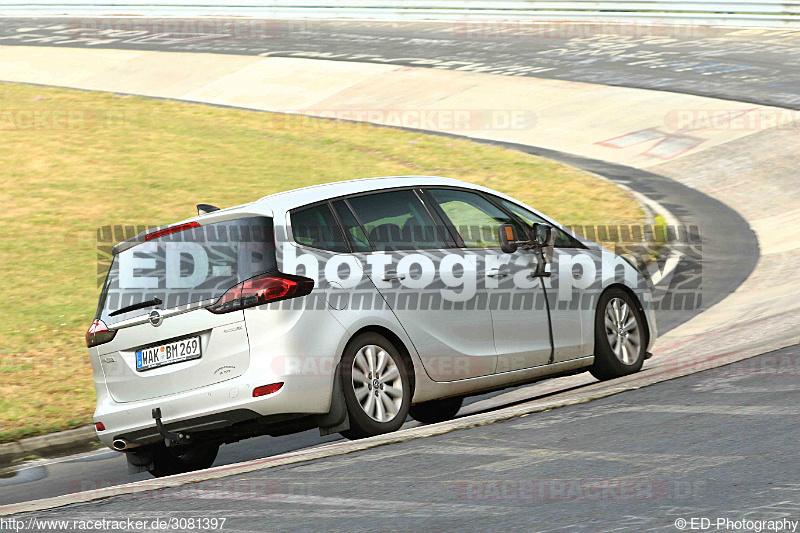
563 240
475 218
397 220
316 227
352 229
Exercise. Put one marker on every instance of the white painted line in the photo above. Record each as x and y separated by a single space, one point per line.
459 449
654 461
735 389
725 410
381 506
674 257
669 265
670 219
388 453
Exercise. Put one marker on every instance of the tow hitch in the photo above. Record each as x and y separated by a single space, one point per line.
170 438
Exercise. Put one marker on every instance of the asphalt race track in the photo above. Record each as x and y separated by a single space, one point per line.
745 65
758 66
617 461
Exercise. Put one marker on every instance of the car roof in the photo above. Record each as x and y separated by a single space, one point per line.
286 200
282 202
324 191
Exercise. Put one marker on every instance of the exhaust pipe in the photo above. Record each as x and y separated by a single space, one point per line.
119 444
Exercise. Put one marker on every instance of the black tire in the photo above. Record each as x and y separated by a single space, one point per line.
607 363
436 410
362 424
182 459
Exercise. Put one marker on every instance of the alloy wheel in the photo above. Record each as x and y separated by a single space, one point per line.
622 331
377 383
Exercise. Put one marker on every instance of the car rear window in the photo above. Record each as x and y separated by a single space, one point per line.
315 227
187 267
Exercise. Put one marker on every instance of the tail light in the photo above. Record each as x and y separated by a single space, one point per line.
99 334
262 290
99 426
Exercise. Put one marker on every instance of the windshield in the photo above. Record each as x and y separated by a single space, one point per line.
186 267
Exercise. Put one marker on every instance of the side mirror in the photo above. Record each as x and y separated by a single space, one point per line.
543 234
545 238
508 239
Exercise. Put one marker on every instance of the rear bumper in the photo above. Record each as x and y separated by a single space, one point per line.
191 426
282 350
213 407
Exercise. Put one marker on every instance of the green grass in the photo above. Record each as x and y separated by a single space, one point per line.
24 459
111 159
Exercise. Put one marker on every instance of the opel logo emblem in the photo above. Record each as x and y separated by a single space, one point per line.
155 318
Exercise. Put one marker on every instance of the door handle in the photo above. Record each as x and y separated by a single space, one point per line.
392 275
496 274
534 275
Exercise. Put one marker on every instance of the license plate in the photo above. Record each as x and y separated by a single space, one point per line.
167 354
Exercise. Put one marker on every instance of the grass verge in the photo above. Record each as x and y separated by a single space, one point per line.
71 161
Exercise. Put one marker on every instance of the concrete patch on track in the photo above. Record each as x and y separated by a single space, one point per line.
756 176
635 127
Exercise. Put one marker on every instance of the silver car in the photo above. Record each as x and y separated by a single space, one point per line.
348 307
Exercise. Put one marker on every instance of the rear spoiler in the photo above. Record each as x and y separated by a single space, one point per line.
219 215
151 233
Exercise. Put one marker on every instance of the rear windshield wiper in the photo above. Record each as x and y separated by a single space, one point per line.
134 307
